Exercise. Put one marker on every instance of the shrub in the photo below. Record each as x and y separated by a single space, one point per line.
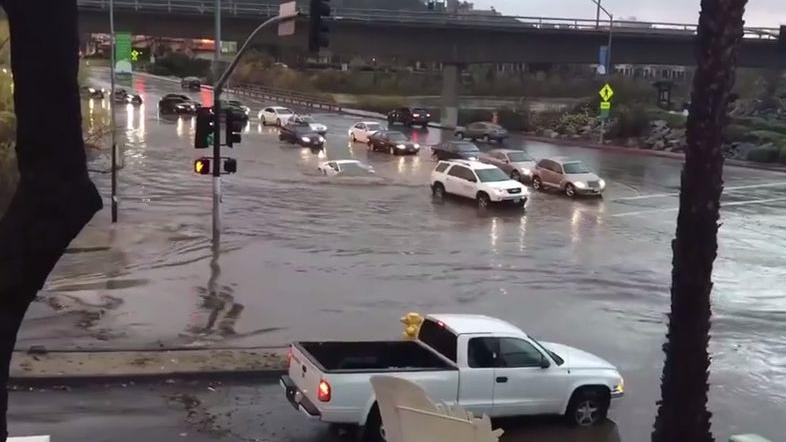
630 122
764 154
736 132
467 116
782 155
766 136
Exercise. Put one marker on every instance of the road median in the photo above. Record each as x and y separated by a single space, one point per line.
73 367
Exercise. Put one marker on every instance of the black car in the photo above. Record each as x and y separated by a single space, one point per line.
393 142
237 108
297 132
461 150
92 93
191 83
177 104
123 97
409 116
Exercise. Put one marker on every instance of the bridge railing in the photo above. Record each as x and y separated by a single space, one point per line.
424 18
283 96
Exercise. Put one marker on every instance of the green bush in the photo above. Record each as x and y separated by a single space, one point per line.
782 155
467 116
180 65
630 122
736 132
764 154
758 123
513 119
766 136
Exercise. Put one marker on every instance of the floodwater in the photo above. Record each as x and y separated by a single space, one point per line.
308 257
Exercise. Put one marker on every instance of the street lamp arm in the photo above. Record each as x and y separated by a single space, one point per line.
219 85
609 14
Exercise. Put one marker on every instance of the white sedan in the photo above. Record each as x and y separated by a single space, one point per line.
345 168
275 115
361 131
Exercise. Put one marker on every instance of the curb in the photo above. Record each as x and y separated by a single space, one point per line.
37 369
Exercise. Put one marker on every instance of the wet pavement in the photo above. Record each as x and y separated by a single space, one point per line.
308 257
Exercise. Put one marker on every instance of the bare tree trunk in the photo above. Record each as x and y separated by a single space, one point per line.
55 198
682 410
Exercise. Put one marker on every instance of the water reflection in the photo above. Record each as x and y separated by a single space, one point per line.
522 234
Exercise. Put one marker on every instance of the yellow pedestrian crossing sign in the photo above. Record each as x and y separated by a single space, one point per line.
135 55
605 105
606 92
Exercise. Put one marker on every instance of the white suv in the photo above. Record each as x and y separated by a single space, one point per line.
479 181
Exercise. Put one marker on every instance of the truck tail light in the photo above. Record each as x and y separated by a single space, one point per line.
323 393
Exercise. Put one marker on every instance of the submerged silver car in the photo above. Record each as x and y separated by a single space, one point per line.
569 176
516 163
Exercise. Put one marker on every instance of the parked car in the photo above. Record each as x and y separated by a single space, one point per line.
345 168
481 182
361 131
92 93
316 127
409 116
393 142
460 150
124 97
191 83
482 130
275 115
485 365
516 163
569 176
177 104
297 132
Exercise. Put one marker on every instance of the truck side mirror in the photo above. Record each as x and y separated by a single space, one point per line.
544 363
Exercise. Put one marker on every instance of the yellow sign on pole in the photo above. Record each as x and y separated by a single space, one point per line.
606 92
605 105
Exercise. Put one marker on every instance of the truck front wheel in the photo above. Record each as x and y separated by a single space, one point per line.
588 406
374 431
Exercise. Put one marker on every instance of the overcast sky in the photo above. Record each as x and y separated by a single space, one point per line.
768 13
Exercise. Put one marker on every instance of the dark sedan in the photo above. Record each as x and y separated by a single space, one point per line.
298 132
92 93
178 105
237 109
409 116
122 96
458 150
393 142
191 83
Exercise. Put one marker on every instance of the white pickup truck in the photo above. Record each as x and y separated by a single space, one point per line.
484 364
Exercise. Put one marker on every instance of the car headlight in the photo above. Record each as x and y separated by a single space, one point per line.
321 139
401 146
620 387
305 139
525 171
417 146
91 90
580 185
472 158
602 184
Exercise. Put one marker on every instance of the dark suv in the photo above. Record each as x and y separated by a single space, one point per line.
409 116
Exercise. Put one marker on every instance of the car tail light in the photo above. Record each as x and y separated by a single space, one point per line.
289 357
323 393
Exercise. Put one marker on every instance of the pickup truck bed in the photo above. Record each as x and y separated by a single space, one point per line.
372 356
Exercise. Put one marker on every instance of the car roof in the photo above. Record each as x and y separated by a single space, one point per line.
506 150
470 324
280 108
472 164
563 160
368 122
346 162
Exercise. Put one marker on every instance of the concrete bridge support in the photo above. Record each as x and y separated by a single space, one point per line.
450 94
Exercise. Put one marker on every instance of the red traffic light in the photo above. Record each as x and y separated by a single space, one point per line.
202 166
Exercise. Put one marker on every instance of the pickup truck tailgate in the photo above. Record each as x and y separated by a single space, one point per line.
306 377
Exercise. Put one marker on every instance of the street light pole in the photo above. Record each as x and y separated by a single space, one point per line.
112 108
597 16
217 134
608 66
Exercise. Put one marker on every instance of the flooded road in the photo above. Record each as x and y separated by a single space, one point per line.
308 257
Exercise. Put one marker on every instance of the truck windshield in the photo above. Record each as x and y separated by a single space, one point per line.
553 355
439 338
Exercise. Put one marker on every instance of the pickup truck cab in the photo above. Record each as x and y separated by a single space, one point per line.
486 365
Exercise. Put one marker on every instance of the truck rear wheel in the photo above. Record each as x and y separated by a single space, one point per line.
373 431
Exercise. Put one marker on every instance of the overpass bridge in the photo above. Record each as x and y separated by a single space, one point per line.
452 39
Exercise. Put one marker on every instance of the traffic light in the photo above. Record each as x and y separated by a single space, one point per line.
234 125
230 165
318 31
205 128
202 166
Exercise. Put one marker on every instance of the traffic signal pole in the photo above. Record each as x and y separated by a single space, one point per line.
217 133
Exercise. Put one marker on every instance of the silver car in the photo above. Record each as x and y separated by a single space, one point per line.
482 130
569 176
516 163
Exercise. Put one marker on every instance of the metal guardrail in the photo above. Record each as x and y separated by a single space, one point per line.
282 96
425 18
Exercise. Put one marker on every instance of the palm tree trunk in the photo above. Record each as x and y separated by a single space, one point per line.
55 198
682 410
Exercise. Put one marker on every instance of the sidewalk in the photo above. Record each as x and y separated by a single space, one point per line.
86 366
